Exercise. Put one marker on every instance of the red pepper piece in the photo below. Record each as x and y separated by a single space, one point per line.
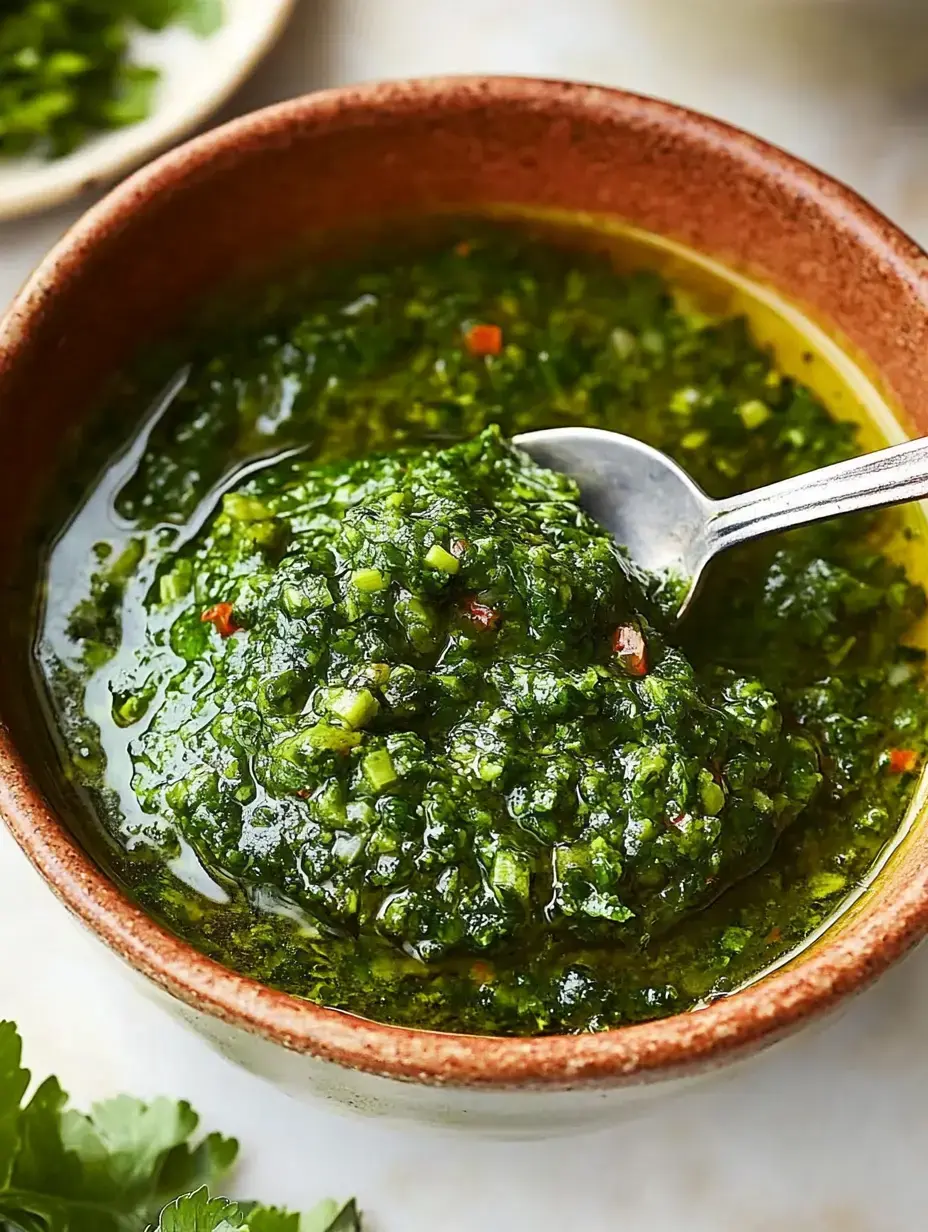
482 972
220 615
459 547
902 761
480 613
484 340
632 650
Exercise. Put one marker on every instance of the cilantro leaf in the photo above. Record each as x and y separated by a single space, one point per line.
198 1212
120 1168
13 1083
111 1171
42 1164
138 1155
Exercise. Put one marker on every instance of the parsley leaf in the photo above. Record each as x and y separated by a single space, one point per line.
121 1167
199 1213
13 1083
110 1171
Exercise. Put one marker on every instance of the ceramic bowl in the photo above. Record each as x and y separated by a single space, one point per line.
248 192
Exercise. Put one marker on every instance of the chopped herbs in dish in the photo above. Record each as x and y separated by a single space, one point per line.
66 70
385 719
396 764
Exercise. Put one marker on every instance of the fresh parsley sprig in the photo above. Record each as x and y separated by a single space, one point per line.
199 1213
121 1167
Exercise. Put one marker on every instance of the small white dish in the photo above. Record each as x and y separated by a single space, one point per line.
198 75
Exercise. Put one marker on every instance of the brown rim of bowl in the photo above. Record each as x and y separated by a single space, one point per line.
759 1014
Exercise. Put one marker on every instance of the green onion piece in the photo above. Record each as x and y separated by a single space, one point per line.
338 739
437 558
355 706
511 874
173 586
711 794
377 673
379 769
695 439
321 736
753 413
131 710
368 580
684 401
126 563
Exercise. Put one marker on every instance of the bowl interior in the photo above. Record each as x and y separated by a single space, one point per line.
737 220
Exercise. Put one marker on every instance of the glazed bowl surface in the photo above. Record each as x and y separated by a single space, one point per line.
245 196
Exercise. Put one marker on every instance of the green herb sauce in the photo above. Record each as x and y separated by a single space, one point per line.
385 720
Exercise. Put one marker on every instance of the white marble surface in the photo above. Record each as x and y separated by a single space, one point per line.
828 1134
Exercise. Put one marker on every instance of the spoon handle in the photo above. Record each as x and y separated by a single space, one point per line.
887 477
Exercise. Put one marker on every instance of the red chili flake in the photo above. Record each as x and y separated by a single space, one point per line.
482 972
678 820
459 547
629 644
902 761
482 615
775 934
463 248
220 615
484 340
303 793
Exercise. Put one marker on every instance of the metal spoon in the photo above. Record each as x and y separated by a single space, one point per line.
668 524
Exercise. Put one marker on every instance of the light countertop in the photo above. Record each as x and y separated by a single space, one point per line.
826 1134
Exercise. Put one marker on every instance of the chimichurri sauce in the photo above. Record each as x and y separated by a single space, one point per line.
375 713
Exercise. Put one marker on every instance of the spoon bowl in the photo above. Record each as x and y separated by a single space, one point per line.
646 501
670 527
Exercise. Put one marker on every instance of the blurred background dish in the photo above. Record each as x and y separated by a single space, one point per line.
197 74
